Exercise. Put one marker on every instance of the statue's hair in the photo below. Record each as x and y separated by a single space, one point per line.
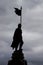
19 25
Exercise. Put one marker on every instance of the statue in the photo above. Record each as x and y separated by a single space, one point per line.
17 38
17 57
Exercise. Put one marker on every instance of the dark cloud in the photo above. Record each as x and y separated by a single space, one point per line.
36 62
4 58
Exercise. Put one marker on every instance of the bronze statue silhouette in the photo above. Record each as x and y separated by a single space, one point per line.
17 57
17 38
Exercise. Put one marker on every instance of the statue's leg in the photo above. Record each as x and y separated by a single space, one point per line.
21 44
16 46
16 49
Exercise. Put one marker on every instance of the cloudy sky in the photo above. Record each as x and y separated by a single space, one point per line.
32 26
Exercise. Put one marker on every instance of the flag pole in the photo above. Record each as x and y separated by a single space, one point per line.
21 16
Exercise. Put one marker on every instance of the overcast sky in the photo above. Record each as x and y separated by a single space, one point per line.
32 27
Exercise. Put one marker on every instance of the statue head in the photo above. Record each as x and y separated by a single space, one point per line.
19 25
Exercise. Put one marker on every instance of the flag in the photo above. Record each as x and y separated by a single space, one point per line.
18 11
